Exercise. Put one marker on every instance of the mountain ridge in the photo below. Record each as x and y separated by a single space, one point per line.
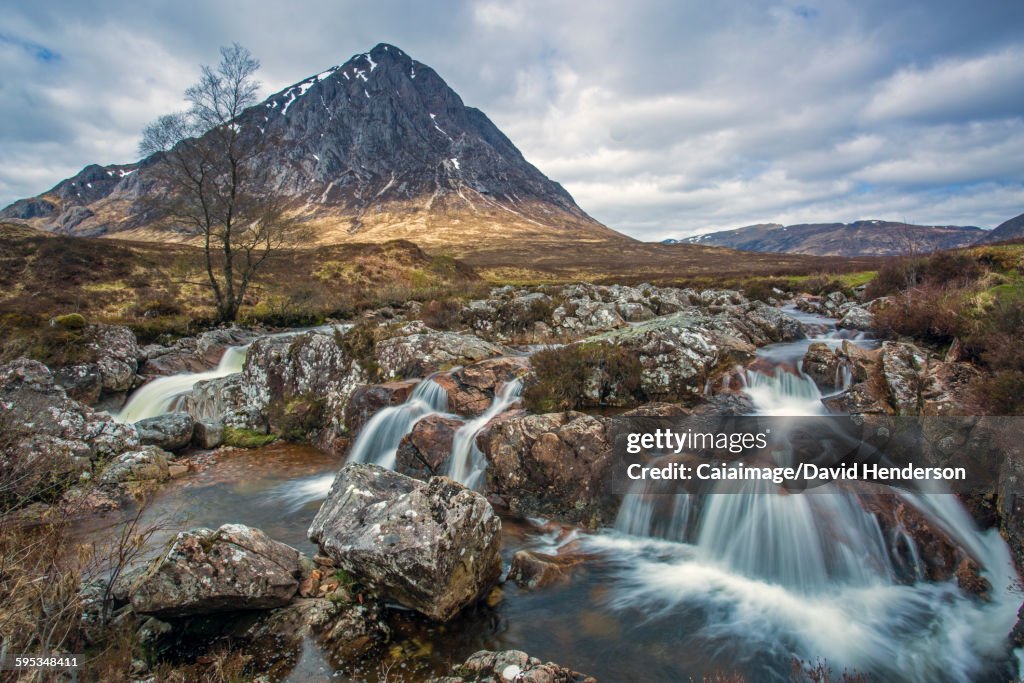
374 149
860 238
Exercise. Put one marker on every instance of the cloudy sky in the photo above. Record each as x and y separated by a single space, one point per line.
663 118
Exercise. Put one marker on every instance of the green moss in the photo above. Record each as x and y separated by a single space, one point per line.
239 437
70 321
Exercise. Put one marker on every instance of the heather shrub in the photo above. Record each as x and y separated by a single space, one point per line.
582 375
929 313
443 314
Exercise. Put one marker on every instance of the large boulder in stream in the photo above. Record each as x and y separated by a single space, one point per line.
170 431
415 350
555 465
507 666
48 439
432 547
204 571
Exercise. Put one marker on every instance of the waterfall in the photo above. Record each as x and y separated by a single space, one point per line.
782 393
158 396
467 464
809 575
379 439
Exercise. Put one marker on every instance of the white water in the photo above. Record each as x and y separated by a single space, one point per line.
379 439
157 397
809 575
467 464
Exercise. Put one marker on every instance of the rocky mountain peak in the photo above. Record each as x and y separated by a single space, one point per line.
378 141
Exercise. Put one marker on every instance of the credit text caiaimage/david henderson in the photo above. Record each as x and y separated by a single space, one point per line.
802 472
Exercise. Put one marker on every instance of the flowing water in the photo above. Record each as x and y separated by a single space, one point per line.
158 396
379 438
466 463
683 586
808 576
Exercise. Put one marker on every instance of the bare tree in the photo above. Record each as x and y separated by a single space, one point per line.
212 174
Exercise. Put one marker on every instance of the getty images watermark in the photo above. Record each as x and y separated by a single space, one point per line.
823 454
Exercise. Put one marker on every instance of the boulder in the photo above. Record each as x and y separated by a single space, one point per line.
82 382
193 354
117 356
367 400
417 351
511 666
432 547
555 465
424 451
47 437
205 571
170 431
471 389
207 434
857 318
147 464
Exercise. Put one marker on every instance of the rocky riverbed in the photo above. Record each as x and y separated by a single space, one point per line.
376 569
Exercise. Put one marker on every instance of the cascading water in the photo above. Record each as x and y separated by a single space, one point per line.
808 575
157 397
379 439
467 464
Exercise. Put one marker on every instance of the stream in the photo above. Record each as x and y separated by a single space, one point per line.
741 583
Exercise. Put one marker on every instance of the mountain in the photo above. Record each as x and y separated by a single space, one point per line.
861 238
375 149
1011 229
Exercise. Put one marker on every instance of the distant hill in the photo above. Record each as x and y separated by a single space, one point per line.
862 238
1011 229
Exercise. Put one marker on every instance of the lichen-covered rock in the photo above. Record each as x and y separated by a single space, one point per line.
205 571
417 351
425 450
857 318
47 438
82 382
117 356
511 666
555 465
309 367
432 547
147 464
170 431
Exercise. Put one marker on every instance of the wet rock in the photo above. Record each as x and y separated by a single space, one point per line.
901 366
171 431
432 547
821 364
1010 503
193 354
555 465
424 451
47 438
344 631
367 400
471 389
657 409
531 569
207 434
936 555
511 666
233 568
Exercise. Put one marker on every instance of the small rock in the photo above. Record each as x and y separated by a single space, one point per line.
207 434
171 432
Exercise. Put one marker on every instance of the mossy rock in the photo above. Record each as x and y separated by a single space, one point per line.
69 321
239 437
